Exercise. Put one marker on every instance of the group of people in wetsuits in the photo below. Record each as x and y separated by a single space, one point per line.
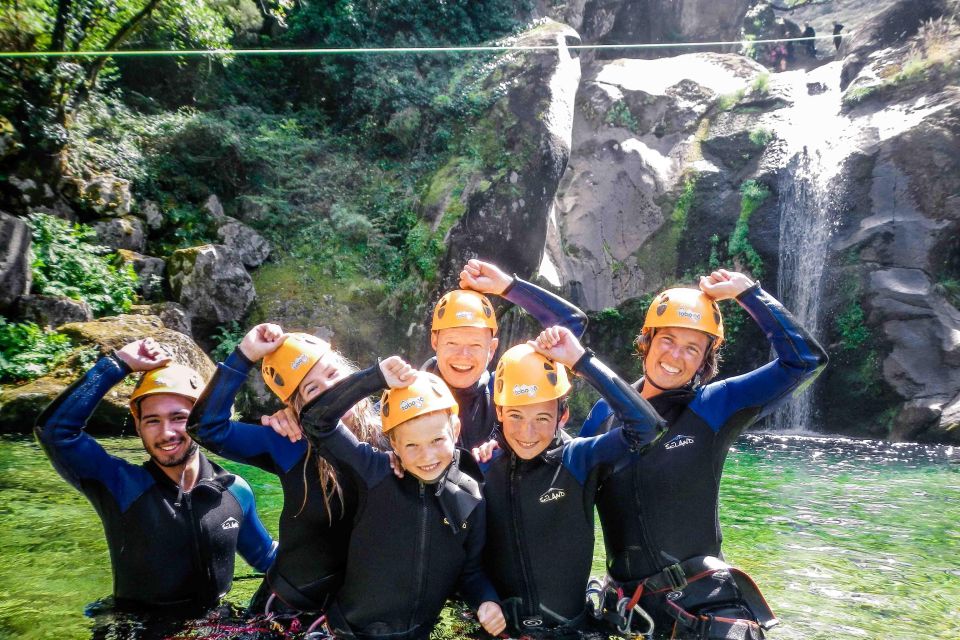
457 484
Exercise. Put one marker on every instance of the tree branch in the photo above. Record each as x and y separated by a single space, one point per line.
118 38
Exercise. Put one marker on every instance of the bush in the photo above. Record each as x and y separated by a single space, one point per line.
227 337
27 351
752 195
67 263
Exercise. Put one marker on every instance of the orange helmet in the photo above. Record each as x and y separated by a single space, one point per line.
285 368
686 309
462 308
172 378
525 377
427 393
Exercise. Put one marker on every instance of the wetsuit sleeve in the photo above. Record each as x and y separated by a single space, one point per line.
254 544
474 585
210 424
75 454
642 425
547 308
800 358
320 420
597 420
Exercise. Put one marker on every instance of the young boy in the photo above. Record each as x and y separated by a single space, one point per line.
417 539
540 490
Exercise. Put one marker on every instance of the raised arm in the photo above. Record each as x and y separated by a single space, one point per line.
547 308
254 544
210 423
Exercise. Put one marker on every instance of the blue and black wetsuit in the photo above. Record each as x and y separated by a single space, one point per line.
664 509
313 541
540 531
167 547
477 415
413 544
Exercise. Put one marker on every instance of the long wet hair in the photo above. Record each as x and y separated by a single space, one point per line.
708 368
364 423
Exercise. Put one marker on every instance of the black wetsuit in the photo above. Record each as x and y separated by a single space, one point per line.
313 543
665 509
477 415
540 531
413 544
167 547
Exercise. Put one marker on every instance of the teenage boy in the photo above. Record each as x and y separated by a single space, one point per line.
417 539
540 489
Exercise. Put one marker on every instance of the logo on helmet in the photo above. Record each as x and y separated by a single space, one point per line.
689 314
299 362
412 402
464 315
525 390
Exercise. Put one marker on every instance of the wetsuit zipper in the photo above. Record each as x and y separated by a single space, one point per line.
647 544
420 557
531 600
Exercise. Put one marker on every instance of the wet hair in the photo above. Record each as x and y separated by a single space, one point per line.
708 368
364 423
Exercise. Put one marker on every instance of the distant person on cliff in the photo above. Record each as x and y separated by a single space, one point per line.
464 336
837 38
174 523
811 44
659 517
319 504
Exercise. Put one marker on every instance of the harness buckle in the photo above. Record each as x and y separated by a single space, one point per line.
675 575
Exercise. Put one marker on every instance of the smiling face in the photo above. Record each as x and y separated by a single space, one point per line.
463 354
162 428
529 429
675 356
425 444
325 373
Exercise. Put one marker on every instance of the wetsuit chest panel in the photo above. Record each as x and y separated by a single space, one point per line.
404 561
540 535
673 489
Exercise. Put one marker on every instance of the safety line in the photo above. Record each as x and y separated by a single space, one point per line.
126 53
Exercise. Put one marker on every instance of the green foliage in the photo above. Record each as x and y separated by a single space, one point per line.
67 263
681 210
713 262
852 328
730 100
752 195
27 351
950 289
761 137
620 115
856 95
761 86
227 337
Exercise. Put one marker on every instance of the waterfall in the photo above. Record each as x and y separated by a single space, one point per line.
809 190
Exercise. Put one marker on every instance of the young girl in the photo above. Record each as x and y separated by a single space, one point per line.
318 504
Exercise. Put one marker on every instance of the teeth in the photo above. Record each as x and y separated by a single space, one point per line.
669 369
461 368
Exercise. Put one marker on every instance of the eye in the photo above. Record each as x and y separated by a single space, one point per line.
693 351
438 440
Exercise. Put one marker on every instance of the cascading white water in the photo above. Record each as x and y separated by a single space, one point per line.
808 208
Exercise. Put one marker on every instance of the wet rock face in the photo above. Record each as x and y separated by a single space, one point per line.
506 200
212 284
15 275
20 406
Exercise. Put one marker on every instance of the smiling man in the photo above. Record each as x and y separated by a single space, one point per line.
174 523
660 521
463 335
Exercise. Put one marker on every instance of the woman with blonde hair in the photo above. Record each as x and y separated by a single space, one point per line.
318 503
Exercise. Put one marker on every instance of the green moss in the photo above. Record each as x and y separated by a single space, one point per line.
752 195
761 137
620 115
761 86
730 100
685 202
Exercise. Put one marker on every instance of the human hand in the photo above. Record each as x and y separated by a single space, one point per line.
145 355
490 616
263 339
395 465
285 423
484 452
724 285
484 277
397 372
559 344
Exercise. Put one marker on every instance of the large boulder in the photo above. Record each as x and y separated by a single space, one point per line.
15 274
102 195
121 233
251 247
212 284
52 311
20 406
149 270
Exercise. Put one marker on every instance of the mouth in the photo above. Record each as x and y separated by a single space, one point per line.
462 368
428 468
669 370
527 445
169 447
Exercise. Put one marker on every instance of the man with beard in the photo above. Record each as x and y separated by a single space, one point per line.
173 523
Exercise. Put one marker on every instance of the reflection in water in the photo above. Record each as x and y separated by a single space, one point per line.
846 538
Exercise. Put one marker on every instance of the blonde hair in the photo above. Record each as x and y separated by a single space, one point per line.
364 423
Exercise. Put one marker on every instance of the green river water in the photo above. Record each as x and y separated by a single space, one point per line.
847 539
